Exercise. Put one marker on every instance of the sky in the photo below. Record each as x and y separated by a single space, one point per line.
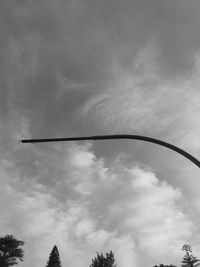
79 68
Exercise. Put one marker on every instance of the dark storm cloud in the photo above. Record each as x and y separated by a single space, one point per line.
81 38
57 55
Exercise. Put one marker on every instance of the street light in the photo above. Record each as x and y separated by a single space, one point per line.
119 136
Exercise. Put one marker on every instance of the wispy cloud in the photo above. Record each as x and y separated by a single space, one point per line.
146 103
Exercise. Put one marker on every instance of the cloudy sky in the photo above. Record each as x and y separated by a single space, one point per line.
85 67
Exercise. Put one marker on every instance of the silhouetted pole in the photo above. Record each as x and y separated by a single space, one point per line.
119 136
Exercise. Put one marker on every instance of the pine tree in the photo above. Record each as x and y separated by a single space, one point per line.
189 260
10 251
101 261
54 258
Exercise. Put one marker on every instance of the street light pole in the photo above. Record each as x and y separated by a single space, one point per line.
119 136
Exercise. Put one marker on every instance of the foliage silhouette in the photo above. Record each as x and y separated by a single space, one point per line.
101 261
189 260
10 251
54 258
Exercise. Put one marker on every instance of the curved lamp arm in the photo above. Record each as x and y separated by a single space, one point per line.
120 136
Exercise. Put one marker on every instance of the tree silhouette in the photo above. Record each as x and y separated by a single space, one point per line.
101 261
189 260
10 251
54 258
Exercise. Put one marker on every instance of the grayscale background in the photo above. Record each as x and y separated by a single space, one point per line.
86 67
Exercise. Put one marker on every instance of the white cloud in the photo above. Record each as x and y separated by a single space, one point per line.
81 158
97 240
125 251
84 227
128 210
